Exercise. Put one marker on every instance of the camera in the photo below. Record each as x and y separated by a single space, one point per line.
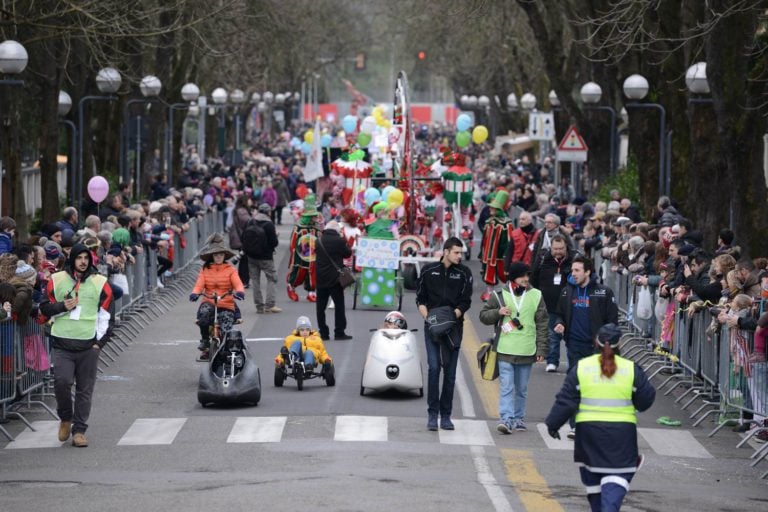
516 323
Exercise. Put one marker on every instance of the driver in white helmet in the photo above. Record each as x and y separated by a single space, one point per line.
395 320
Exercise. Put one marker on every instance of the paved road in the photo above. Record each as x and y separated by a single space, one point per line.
152 447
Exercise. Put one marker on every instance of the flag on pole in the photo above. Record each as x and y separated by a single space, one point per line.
314 168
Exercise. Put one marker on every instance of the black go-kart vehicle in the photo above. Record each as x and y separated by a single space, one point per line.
290 365
231 376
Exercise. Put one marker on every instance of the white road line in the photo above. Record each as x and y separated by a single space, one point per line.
361 428
486 479
45 436
554 444
468 432
674 443
150 431
257 430
467 406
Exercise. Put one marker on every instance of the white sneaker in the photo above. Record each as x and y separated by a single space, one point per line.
551 368
160 283
331 305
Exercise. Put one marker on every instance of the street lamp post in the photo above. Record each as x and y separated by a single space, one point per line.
150 88
108 81
269 99
13 60
636 88
257 121
219 97
590 96
65 105
189 93
237 98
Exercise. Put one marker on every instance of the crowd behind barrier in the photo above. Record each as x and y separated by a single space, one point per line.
26 374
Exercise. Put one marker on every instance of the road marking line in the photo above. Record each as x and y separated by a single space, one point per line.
556 444
151 431
485 477
487 390
361 428
674 443
45 436
257 430
467 405
530 485
468 432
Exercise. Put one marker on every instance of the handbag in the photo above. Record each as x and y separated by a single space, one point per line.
121 280
644 304
346 276
487 357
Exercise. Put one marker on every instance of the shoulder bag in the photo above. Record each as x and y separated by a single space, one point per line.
487 357
346 276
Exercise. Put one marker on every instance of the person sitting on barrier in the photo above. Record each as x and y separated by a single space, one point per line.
305 344
395 320
216 277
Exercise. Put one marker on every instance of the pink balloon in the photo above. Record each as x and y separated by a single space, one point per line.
98 188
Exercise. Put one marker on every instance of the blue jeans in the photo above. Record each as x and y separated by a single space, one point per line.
513 390
440 402
553 356
308 356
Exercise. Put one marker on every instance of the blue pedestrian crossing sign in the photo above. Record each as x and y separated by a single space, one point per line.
541 126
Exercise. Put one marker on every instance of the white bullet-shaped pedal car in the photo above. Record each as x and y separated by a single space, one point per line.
393 361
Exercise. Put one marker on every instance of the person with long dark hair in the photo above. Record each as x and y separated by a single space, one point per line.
604 390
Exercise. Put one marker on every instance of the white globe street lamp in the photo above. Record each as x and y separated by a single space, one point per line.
268 97
483 101
150 86
591 93
237 96
190 92
255 98
528 101
696 78
472 101
65 103
13 57
108 80
512 101
219 95
635 87
553 99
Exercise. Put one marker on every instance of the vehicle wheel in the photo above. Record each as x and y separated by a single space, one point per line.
409 277
279 376
362 389
421 392
330 377
299 376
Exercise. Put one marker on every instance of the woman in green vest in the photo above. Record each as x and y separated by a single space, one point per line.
604 390
521 320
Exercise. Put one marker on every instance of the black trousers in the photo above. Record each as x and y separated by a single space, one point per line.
242 270
340 316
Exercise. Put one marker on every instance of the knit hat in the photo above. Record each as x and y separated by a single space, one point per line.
50 229
303 322
517 269
52 250
609 333
25 271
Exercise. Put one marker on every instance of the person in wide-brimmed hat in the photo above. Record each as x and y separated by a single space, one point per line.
496 234
217 277
302 250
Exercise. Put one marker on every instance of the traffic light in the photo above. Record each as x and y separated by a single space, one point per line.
422 55
360 61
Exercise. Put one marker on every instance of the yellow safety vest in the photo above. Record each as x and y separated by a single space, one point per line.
88 296
604 399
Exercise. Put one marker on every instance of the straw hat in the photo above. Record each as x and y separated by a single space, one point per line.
214 245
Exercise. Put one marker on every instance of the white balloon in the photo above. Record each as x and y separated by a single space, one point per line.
368 125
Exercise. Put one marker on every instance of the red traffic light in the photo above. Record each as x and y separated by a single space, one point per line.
422 55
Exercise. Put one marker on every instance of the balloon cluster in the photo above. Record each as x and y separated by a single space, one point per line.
393 197
463 137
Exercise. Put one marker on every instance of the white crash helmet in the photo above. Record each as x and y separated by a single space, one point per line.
397 319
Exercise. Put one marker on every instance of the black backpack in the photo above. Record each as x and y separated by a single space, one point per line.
254 239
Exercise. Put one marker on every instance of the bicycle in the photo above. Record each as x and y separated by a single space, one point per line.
215 332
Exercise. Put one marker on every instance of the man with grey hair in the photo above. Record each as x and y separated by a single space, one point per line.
552 227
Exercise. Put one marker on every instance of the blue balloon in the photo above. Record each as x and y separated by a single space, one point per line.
325 140
306 147
349 123
463 122
295 142
371 196
386 191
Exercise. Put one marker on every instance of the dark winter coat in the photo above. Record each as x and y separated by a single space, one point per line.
602 306
268 250
544 279
330 257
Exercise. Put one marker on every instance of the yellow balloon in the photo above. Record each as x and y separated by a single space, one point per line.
308 136
479 134
395 198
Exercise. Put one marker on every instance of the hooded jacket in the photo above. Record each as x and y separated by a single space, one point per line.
51 307
602 305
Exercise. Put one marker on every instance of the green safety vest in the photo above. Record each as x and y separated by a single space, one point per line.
520 342
88 297
604 399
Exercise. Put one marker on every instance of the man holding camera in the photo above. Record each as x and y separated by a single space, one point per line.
521 321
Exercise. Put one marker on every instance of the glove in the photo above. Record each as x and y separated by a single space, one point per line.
193 297
554 434
239 295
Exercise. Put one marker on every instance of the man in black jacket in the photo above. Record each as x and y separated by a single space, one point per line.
443 283
264 261
550 277
584 307
331 251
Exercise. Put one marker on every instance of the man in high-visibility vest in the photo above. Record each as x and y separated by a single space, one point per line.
77 301
604 390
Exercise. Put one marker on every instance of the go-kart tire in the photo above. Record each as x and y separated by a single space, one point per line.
421 392
410 278
362 389
330 377
279 376
299 380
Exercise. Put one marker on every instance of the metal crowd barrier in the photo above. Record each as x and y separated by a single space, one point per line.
26 373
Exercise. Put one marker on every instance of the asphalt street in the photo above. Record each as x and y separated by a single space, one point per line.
153 447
